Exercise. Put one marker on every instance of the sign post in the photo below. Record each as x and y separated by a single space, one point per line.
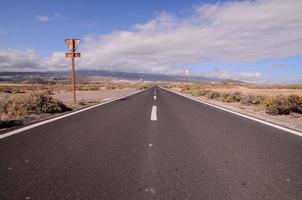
72 45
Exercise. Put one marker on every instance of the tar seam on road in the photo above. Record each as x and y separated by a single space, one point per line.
4 135
153 113
241 115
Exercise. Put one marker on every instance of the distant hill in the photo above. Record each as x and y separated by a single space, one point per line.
231 81
102 73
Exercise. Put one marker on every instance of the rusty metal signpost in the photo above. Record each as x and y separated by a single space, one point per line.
72 45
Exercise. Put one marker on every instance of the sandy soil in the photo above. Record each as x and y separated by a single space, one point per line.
267 92
4 96
292 121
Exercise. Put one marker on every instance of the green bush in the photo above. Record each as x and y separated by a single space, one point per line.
32 103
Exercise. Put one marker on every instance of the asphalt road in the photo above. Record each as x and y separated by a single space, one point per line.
187 151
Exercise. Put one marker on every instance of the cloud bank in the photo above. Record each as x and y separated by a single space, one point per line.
233 32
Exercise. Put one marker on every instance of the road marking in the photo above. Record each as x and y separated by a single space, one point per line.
150 145
4 135
153 113
295 132
154 97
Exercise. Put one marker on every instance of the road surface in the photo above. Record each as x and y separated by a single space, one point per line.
152 146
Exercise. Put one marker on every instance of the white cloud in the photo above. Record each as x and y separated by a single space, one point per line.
56 62
236 32
19 60
233 32
223 74
43 18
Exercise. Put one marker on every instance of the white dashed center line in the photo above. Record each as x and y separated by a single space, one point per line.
153 113
154 97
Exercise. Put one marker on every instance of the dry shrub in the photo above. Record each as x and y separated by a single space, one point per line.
212 94
232 97
185 90
13 89
32 103
283 105
196 93
110 87
144 87
295 103
277 106
252 100
88 87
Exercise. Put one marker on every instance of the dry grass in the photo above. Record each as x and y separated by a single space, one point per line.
34 103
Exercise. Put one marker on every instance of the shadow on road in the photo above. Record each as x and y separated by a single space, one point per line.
10 123
124 99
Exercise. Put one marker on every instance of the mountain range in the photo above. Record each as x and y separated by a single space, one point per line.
105 74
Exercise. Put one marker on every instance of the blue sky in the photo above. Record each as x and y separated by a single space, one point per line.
257 41
78 18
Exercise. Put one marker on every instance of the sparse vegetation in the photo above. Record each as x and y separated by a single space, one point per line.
274 105
252 100
232 97
88 87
